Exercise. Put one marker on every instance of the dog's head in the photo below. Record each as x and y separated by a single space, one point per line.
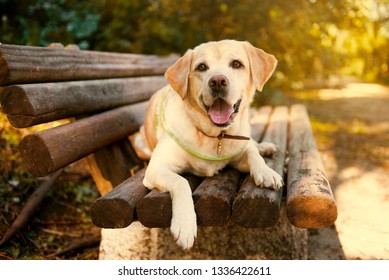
220 78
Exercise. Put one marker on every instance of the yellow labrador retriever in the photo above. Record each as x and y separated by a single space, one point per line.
199 123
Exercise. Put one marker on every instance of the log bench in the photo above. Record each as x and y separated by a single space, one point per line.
104 95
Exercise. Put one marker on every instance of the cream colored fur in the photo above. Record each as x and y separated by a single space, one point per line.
183 104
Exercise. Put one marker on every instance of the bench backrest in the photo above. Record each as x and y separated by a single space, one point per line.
105 92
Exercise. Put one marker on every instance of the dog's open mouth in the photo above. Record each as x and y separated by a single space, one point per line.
221 113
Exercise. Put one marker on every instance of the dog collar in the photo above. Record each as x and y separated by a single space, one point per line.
220 137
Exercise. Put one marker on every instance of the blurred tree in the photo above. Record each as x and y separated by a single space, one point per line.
377 38
312 39
42 22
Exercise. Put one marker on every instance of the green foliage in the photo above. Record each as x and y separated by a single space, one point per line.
312 39
42 22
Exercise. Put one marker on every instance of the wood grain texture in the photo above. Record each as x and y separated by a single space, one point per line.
46 151
23 64
103 185
256 207
260 207
213 198
113 164
32 104
259 120
155 209
310 202
45 84
117 209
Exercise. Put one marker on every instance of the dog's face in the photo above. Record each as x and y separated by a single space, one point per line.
218 79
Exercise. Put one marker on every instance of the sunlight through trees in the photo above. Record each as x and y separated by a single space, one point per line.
311 39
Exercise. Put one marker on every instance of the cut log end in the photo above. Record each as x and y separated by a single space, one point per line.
22 121
15 101
312 211
117 209
117 213
36 156
4 70
155 210
257 219
257 212
255 206
213 198
212 211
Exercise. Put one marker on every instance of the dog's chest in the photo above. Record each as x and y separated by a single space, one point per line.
206 168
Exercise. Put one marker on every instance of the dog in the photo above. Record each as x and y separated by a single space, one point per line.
199 123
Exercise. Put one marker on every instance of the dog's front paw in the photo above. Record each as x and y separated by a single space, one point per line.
266 149
184 229
268 178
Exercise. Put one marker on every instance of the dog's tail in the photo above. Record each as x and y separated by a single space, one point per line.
139 143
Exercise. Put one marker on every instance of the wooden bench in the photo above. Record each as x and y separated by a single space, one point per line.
105 95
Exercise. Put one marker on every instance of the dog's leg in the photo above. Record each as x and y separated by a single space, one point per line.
253 163
183 224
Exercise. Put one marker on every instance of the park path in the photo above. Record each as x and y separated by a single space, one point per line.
351 126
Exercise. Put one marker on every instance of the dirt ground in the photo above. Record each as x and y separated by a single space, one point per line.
351 126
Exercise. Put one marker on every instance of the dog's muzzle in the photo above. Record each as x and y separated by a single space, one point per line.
221 113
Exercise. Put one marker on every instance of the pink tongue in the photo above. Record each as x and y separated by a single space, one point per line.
220 112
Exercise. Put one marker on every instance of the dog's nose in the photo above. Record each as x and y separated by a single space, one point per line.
218 82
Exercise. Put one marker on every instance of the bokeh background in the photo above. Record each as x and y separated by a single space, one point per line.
310 38
333 57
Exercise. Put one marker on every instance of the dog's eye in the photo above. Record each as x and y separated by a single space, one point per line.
236 64
202 67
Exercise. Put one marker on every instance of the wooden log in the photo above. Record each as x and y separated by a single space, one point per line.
260 207
22 64
213 198
117 209
103 184
46 151
259 121
113 164
155 209
256 207
32 104
310 202
277 133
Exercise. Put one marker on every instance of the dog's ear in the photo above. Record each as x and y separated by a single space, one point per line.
177 75
262 65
